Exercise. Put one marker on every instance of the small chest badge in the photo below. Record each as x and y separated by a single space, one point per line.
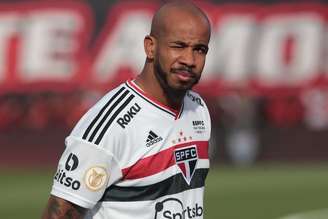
186 159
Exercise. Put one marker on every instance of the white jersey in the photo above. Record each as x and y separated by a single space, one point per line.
131 157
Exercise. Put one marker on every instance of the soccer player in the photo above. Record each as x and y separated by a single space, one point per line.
142 151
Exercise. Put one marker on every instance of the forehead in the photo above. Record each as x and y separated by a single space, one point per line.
186 27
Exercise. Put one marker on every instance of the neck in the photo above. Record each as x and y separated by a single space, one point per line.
151 85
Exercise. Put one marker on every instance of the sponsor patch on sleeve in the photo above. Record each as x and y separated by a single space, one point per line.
95 178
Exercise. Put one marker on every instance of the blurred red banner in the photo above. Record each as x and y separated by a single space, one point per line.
255 49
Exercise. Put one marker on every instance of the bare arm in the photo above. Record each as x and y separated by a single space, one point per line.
58 208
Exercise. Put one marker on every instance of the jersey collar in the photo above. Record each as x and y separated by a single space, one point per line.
175 113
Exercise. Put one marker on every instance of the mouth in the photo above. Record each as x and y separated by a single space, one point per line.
183 75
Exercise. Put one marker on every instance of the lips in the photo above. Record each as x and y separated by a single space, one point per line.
183 75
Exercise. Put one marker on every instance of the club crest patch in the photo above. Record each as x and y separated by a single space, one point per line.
186 159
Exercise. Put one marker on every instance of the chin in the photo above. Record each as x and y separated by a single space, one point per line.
186 85
182 87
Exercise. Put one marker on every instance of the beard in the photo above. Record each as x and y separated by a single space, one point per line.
173 91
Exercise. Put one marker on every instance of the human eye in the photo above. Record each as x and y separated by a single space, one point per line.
201 50
178 45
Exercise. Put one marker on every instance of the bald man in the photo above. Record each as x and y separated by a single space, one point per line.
142 150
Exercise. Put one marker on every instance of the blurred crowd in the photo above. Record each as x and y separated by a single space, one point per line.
244 127
42 110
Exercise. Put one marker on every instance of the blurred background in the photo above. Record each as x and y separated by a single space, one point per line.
265 83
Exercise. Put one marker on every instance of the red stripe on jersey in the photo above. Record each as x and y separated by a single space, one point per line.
161 161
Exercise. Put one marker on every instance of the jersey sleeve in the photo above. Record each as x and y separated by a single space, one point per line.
208 120
84 172
197 99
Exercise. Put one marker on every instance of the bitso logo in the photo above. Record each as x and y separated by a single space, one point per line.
95 178
186 159
173 208
72 162
61 176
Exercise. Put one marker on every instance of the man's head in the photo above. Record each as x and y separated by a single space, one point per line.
177 45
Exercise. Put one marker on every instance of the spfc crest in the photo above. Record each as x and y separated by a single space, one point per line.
186 159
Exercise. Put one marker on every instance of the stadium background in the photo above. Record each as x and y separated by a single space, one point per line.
269 143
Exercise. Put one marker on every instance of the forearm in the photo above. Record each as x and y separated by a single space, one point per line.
58 208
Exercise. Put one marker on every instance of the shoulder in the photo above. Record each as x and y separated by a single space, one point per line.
101 116
109 121
194 102
194 98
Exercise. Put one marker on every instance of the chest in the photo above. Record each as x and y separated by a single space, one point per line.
151 133
159 145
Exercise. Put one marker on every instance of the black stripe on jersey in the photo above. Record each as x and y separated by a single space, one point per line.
170 186
107 114
181 110
103 131
85 135
149 100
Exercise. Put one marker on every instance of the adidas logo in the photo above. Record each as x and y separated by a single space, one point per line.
152 139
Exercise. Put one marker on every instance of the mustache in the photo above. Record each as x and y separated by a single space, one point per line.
184 69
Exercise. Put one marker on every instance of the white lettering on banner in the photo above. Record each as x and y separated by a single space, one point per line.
242 47
42 41
8 29
271 46
229 53
306 31
49 45
124 46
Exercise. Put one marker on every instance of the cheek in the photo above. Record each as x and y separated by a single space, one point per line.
201 62
167 59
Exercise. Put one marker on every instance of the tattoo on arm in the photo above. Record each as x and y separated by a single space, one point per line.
58 208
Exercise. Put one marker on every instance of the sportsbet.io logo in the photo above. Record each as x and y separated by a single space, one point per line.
61 176
173 208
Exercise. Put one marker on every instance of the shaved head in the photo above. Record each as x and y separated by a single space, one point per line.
176 50
174 12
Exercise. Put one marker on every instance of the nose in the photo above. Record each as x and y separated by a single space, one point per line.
188 58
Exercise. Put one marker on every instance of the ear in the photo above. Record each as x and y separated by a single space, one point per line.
150 46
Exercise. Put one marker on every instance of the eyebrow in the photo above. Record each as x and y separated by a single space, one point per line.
186 44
